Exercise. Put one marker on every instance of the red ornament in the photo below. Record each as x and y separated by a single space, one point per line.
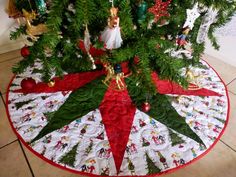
25 51
28 83
160 9
136 60
146 107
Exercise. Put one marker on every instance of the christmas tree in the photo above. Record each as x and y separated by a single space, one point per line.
114 53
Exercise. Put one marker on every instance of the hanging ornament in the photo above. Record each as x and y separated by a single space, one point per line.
31 30
12 11
209 18
159 10
41 6
111 36
146 107
181 41
28 84
25 52
192 15
87 44
142 11
51 83
114 73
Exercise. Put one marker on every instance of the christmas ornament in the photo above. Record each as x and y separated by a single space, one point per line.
31 30
181 41
41 6
87 44
117 75
142 11
51 83
146 107
192 15
111 36
28 83
159 10
12 11
25 52
118 68
209 18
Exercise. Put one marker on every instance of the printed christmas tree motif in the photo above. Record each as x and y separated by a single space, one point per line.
89 148
162 159
105 171
131 166
21 104
175 139
84 97
145 142
69 158
151 167
220 120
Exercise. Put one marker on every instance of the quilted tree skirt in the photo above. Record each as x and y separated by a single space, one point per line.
112 136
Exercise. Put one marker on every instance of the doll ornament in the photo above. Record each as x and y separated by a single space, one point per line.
111 36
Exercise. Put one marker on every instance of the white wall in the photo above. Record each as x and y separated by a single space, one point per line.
6 25
227 39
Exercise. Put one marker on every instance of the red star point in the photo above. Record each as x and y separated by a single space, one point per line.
160 9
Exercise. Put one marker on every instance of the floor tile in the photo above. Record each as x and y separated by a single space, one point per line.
6 73
9 55
12 162
229 137
220 161
227 72
232 87
6 133
44 169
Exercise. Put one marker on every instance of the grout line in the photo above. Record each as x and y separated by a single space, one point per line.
228 145
3 99
10 59
4 53
27 161
8 144
231 82
232 92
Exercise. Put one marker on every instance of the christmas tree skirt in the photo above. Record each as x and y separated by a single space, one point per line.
93 129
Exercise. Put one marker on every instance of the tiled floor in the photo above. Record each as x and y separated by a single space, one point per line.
17 161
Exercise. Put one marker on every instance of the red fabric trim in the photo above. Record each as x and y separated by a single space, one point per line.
82 173
168 87
67 83
117 112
